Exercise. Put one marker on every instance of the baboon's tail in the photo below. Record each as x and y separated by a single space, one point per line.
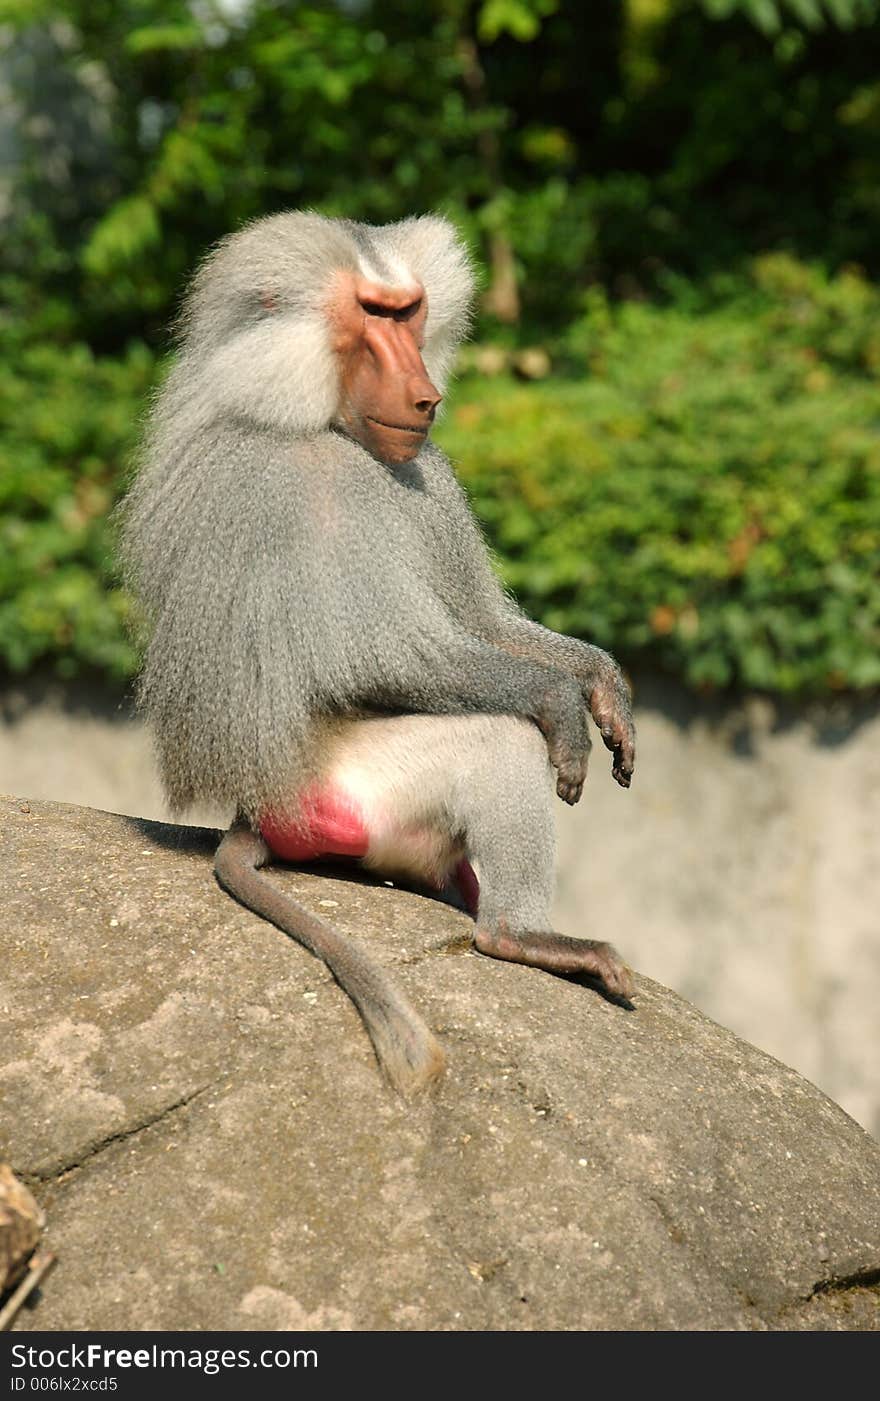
409 1054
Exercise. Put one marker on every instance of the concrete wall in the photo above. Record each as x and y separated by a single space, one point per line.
742 869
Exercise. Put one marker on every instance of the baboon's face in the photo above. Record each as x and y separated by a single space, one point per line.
387 400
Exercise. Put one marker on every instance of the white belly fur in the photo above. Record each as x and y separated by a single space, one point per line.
396 773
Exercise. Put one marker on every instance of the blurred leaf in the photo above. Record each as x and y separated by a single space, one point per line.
519 18
125 233
159 38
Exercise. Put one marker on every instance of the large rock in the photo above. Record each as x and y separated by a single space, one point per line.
194 1102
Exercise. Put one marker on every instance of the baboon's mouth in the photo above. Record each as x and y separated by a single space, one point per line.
399 427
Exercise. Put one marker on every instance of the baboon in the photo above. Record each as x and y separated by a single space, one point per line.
330 654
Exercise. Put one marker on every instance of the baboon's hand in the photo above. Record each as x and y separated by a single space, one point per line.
563 720
611 709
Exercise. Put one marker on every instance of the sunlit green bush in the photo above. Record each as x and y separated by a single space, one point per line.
69 423
704 494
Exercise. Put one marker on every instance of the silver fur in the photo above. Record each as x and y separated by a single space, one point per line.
286 574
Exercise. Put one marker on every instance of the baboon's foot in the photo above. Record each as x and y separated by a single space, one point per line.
557 953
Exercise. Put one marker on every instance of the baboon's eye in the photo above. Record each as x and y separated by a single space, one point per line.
397 313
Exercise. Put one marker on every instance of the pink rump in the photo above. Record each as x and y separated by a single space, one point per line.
328 823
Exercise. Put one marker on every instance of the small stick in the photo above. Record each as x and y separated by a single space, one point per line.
38 1267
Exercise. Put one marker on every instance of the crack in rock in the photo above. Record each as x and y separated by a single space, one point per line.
119 1137
837 1284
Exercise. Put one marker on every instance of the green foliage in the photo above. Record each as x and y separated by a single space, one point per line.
69 423
611 141
705 492
706 496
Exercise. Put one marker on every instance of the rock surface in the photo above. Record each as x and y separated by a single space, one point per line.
195 1104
